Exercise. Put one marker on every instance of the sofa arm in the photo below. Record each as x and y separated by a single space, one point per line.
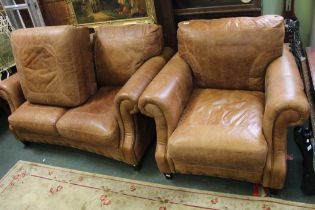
164 100
286 105
11 91
126 100
131 91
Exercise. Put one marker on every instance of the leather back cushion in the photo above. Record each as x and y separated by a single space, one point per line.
231 53
121 50
55 64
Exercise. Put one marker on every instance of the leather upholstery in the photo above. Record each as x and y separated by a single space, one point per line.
51 73
227 128
107 151
286 105
94 122
164 100
11 91
121 50
136 128
108 122
217 122
217 50
39 119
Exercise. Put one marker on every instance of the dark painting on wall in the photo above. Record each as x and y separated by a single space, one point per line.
180 4
93 11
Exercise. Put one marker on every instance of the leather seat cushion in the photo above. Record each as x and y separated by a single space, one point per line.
54 64
38 119
217 50
121 50
94 122
221 128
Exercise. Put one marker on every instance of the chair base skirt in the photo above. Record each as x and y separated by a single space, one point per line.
241 175
104 150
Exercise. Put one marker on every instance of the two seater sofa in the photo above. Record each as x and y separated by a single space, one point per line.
80 92
223 104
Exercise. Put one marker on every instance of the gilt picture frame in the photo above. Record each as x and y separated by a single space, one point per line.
93 13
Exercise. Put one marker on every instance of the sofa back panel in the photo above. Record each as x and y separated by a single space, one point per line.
55 64
121 50
231 53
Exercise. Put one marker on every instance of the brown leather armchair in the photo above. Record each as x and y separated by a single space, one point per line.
222 105
56 97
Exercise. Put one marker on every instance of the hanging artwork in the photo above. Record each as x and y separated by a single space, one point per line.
96 12
208 3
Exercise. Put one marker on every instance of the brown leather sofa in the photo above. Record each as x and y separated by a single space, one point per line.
222 105
58 98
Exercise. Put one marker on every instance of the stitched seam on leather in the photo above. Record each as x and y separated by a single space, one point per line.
48 126
33 123
123 136
134 134
164 144
165 122
215 167
149 103
65 142
135 139
79 131
168 159
135 109
262 54
121 133
78 91
272 140
6 96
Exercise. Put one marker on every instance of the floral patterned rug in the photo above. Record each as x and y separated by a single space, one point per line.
35 186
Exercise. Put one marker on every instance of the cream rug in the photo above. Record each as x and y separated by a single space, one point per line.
35 186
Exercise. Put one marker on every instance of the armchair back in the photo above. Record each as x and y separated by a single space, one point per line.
231 53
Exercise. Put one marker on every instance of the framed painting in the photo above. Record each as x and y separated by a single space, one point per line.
98 12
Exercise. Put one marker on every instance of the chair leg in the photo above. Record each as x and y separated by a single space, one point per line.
138 166
274 191
168 176
26 143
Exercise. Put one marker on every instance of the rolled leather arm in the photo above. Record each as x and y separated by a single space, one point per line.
286 105
164 100
126 101
11 91
134 87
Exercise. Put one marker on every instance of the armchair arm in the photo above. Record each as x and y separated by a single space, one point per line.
164 99
126 100
11 91
286 105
